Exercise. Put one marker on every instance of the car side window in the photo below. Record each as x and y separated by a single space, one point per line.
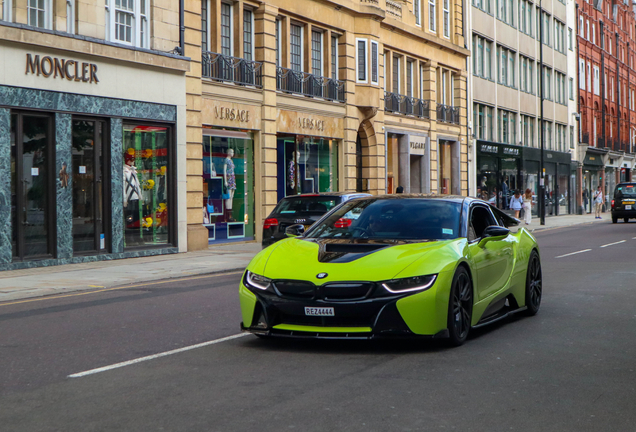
480 219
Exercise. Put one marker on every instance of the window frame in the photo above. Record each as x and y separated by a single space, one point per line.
47 14
300 46
375 62
320 52
432 16
252 41
366 60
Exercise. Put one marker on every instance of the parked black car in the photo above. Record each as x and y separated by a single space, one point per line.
624 202
301 209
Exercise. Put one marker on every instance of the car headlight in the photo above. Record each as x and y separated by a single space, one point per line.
257 281
417 283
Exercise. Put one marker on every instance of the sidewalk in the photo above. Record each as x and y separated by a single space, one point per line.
21 284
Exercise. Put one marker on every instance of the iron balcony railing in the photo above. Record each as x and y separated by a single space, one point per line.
227 68
292 81
397 103
586 138
447 114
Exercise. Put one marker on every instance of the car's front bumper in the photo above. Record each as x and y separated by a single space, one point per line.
407 315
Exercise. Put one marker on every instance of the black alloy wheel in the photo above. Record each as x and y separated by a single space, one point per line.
460 307
534 284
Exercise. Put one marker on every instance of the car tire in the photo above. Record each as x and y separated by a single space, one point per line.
626 220
460 307
534 284
614 219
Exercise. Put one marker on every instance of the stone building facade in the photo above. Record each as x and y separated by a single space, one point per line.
506 101
92 131
606 88
304 96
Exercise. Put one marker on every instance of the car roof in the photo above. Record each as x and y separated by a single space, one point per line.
327 194
453 198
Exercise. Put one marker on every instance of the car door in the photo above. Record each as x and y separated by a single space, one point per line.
492 259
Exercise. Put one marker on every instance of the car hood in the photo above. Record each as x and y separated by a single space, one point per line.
304 259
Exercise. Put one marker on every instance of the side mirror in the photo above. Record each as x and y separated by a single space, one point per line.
295 230
493 232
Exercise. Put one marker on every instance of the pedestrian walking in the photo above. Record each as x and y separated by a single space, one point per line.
399 190
598 203
516 203
527 206
585 199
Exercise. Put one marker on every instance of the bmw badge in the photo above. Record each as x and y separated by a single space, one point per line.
322 275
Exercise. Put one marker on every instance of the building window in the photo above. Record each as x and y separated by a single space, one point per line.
483 5
417 12
597 85
39 13
546 29
127 22
361 63
278 43
70 16
507 129
571 88
409 78
334 57
226 29
374 62
527 131
248 35
295 47
505 66
482 117
432 16
571 137
505 11
316 52
205 19
570 47
446 18
482 66
396 74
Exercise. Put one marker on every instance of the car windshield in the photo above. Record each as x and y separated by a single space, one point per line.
626 190
307 205
391 219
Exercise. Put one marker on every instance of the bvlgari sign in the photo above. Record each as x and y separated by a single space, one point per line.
71 70
417 145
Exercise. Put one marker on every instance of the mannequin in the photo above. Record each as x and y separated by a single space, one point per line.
132 191
229 180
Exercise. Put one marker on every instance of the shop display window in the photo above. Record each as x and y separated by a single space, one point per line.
310 166
146 185
228 187
487 179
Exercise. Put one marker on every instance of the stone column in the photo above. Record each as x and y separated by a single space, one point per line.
429 85
404 161
461 97
64 195
6 228
197 233
265 153
117 185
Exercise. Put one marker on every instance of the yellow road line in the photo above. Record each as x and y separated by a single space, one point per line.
118 288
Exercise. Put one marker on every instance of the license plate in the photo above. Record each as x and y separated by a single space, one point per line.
628 207
324 311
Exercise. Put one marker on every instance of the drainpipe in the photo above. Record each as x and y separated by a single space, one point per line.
600 23
181 27
618 95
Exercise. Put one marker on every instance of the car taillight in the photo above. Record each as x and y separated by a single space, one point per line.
342 223
612 203
270 222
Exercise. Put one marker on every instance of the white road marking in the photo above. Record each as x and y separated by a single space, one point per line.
154 356
574 253
615 243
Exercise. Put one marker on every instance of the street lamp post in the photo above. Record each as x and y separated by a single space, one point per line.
541 125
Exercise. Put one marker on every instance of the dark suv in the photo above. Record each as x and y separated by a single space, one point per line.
624 202
301 209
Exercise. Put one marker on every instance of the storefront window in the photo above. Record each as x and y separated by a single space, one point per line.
509 171
309 165
228 187
530 181
445 168
392 163
487 179
146 185
563 180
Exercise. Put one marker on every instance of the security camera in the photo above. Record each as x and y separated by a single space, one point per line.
577 116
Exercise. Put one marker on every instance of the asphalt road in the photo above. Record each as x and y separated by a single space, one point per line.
570 368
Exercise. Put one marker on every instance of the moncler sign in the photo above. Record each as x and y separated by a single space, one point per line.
54 67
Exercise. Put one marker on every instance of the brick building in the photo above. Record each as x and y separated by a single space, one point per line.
606 31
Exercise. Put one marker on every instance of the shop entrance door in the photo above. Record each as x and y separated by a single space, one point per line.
90 168
32 190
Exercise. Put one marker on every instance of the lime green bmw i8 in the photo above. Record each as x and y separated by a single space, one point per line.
394 266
